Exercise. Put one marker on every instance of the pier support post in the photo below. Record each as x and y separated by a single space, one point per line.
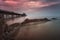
2 26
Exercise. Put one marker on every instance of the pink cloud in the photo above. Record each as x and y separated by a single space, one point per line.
29 4
38 4
12 3
24 4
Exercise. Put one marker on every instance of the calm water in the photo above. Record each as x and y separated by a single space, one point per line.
40 30
44 31
16 20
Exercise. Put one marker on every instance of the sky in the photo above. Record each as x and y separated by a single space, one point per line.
33 8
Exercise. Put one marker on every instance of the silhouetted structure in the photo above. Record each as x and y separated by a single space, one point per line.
9 13
23 14
5 15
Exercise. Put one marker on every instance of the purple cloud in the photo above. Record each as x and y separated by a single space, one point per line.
18 5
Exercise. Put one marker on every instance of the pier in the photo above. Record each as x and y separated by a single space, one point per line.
10 15
4 17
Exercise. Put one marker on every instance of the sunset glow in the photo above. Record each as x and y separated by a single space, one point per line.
32 4
11 2
37 4
25 5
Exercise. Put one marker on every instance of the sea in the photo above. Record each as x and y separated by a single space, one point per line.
49 30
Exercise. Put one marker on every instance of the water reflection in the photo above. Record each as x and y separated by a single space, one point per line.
16 20
38 31
45 31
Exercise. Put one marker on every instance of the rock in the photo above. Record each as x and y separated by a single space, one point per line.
54 18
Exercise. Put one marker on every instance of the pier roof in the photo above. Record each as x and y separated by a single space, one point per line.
11 13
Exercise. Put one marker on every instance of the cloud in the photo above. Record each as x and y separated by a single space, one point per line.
46 0
38 4
11 2
19 5
53 0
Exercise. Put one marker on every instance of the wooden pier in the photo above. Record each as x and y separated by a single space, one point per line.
10 15
6 15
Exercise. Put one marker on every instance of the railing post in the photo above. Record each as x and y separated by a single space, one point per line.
2 26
